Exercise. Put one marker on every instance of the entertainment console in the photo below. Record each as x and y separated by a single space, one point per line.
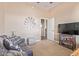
69 35
68 41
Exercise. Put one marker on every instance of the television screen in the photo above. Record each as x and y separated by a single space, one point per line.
69 28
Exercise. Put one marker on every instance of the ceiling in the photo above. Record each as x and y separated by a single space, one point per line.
45 5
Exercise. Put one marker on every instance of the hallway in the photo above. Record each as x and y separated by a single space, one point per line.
49 48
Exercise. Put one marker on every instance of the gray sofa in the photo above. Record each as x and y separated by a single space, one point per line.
24 49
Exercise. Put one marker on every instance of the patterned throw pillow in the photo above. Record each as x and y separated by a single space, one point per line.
9 45
6 44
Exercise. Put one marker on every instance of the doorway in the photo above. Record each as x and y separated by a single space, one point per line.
43 29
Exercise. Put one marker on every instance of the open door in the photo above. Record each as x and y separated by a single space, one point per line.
43 29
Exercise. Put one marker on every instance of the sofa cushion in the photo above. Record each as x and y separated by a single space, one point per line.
14 53
6 44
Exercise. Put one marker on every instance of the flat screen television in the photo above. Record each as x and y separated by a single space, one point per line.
69 28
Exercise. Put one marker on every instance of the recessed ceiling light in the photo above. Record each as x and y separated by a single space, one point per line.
38 2
50 2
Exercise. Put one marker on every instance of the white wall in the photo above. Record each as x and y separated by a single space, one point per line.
65 13
1 19
12 16
15 15
16 24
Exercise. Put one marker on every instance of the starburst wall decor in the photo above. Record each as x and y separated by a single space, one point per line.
29 20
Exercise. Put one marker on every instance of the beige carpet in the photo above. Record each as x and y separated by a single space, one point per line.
50 48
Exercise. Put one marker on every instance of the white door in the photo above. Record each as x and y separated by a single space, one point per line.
50 29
